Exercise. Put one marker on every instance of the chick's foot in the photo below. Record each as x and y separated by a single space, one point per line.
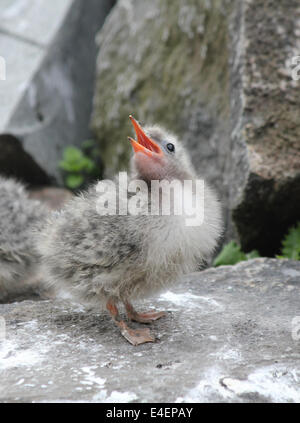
137 336
148 317
134 336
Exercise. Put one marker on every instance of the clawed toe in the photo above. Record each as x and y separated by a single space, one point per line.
137 336
147 317
134 336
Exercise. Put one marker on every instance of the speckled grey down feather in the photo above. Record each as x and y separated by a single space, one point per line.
19 215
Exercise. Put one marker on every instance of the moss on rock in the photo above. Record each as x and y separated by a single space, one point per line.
164 62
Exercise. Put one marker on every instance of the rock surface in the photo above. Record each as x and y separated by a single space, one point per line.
165 62
49 52
228 337
264 168
217 74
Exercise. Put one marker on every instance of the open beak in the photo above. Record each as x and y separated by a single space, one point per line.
144 144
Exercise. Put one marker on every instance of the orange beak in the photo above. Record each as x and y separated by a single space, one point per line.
144 144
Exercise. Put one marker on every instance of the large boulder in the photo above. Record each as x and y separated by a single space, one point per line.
231 335
49 52
216 73
165 62
264 166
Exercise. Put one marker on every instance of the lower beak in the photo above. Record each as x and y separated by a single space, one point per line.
144 144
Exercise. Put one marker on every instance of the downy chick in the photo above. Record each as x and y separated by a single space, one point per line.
111 259
18 260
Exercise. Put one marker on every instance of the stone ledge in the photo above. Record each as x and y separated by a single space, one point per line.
227 338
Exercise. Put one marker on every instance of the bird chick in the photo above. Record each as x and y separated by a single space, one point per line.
18 259
113 259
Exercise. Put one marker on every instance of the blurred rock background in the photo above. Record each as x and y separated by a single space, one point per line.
217 73
46 99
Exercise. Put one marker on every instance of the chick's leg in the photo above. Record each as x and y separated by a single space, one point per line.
149 317
134 336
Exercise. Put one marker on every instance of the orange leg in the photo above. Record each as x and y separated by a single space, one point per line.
143 317
134 336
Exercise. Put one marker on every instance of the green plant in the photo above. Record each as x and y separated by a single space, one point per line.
291 244
232 254
80 166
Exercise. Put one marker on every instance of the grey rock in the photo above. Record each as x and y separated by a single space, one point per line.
16 162
165 62
264 167
216 73
231 335
46 99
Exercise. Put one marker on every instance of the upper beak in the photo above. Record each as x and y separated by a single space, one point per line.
144 144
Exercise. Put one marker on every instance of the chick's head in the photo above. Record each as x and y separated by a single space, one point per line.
159 155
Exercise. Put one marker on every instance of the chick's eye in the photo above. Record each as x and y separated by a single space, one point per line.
171 147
